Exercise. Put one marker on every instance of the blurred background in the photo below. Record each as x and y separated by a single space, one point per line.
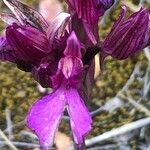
120 97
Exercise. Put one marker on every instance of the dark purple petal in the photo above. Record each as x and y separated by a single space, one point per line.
79 115
25 14
89 10
8 18
29 43
86 10
80 32
6 52
120 20
128 36
90 32
44 117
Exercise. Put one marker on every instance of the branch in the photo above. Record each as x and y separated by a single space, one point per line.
146 89
15 125
118 131
133 76
147 53
105 147
21 144
27 133
135 104
9 124
7 141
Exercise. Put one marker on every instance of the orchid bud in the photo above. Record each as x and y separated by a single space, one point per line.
29 44
128 35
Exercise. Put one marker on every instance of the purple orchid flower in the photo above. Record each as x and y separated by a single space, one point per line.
127 36
29 40
49 109
58 57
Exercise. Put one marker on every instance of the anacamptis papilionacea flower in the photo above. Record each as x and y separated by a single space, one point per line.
60 55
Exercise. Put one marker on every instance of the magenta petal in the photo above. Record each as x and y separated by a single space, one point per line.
79 115
44 117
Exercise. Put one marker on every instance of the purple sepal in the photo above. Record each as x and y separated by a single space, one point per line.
80 32
57 29
6 52
128 35
89 10
29 44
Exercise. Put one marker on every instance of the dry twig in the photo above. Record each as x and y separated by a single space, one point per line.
8 142
118 131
